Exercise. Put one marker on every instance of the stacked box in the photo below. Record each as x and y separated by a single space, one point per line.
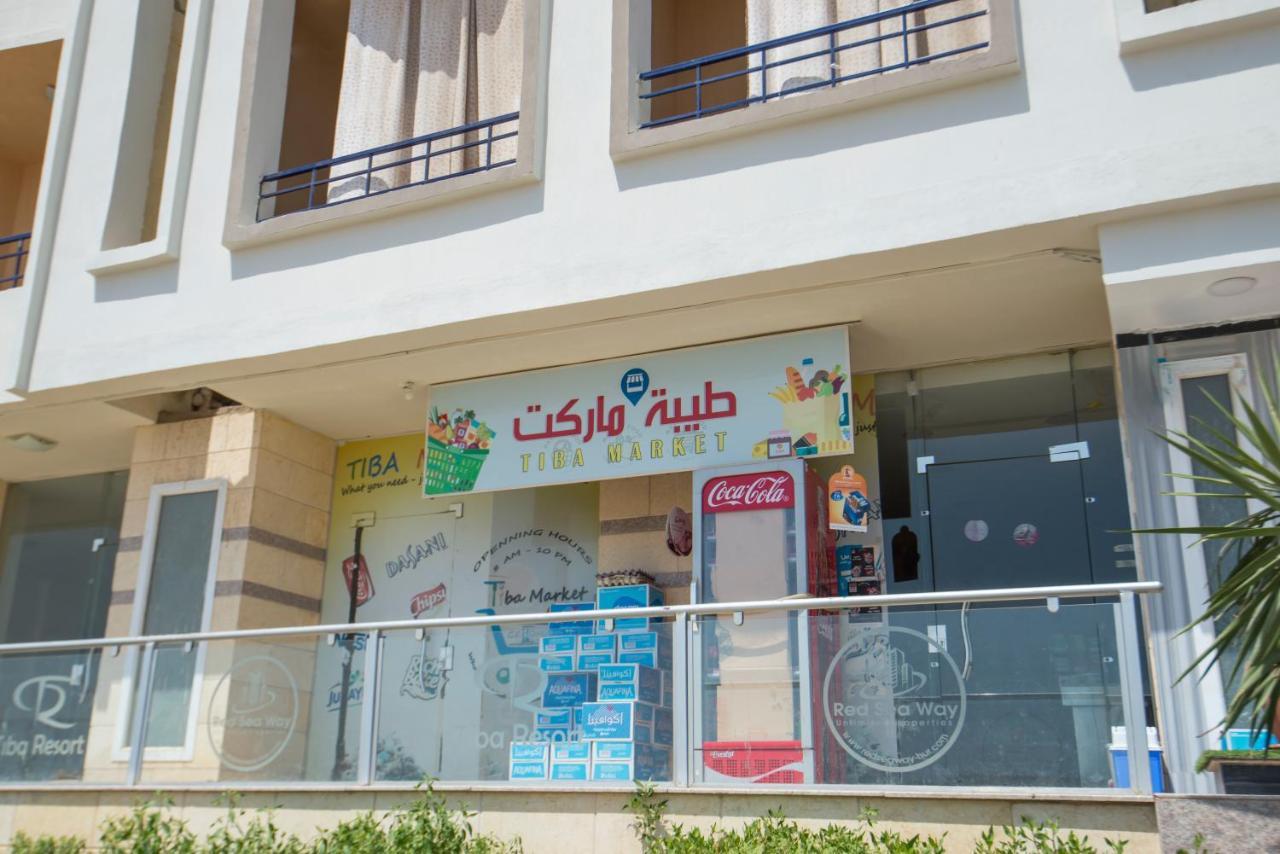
595 650
529 761
574 627
566 690
629 681
652 649
630 596
557 654
571 762
623 760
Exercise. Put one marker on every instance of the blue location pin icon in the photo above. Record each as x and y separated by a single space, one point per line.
635 383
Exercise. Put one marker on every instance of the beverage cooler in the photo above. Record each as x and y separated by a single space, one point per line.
760 532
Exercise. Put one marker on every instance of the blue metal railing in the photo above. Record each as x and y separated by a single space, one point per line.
825 44
13 257
474 142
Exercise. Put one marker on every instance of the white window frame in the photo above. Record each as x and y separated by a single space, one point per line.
179 151
1195 573
121 751
1137 29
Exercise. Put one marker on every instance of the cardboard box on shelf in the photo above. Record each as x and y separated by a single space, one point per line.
570 771
553 717
644 763
629 681
528 761
563 690
556 654
572 751
657 642
571 627
597 643
592 660
630 596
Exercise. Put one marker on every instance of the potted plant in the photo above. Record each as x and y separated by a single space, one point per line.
1245 609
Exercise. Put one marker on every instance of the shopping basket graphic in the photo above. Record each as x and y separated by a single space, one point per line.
451 468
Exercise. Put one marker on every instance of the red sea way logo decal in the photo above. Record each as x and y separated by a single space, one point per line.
427 600
894 699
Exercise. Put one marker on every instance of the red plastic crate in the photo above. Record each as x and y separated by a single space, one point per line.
753 761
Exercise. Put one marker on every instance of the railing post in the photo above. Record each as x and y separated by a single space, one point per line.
141 705
1129 648
367 752
680 706
697 91
488 154
834 76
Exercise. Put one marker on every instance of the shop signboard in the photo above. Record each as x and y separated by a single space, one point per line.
722 404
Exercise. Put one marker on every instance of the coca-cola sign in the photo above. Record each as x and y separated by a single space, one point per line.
770 490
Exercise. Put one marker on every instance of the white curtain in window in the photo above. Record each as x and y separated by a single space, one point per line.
769 19
414 67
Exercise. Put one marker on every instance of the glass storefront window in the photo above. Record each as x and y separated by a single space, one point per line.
58 543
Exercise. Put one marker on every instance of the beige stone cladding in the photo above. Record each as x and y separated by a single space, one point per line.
564 822
270 571
633 529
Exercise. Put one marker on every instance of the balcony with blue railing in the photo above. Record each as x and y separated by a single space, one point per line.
909 35
13 259
420 161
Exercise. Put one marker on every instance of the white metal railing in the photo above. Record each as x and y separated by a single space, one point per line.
139 669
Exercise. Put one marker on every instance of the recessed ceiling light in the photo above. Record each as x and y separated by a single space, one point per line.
31 442
1231 287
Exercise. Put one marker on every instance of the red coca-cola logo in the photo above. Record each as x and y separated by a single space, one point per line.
769 490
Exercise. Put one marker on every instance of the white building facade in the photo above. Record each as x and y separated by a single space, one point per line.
256 241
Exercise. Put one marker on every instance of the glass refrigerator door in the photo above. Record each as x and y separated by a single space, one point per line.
747 686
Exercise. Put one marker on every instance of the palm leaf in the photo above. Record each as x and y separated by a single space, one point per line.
1245 607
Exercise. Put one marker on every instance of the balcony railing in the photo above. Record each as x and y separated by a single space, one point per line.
822 47
1017 688
428 159
13 259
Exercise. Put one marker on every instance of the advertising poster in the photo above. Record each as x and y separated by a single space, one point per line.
450 701
780 396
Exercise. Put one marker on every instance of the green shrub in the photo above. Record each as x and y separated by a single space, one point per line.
147 829
23 844
232 834
1040 838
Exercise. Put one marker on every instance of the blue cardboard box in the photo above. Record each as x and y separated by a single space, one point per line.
528 761
597 643
556 653
629 681
608 721
575 771
572 751
571 627
663 727
568 689
646 763
553 717
630 596
612 751
592 660
658 642
557 663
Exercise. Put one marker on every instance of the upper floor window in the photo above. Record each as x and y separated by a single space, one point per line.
754 51
1157 5
384 94
692 69
28 72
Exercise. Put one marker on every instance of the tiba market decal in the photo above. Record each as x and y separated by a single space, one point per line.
775 397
